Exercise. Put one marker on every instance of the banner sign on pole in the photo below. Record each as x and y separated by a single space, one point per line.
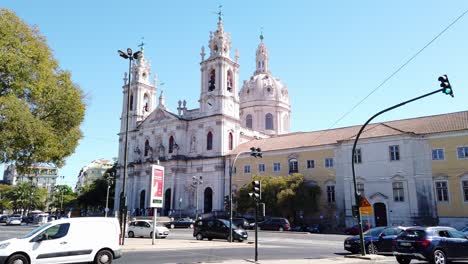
157 186
366 208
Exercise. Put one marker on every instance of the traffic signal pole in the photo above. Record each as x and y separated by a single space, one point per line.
256 230
446 89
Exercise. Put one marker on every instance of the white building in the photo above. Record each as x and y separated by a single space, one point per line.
93 171
194 143
41 175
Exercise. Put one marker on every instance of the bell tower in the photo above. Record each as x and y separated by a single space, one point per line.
219 75
142 93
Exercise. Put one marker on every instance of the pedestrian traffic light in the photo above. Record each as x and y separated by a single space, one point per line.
256 190
226 199
256 152
355 209
445 83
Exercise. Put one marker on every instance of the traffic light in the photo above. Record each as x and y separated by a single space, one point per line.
256 190
226 199
355 210
256 152
445 83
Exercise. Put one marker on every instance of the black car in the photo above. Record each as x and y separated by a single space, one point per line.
181 223
435 244
275 223
3 218
378 240
217 228
241 222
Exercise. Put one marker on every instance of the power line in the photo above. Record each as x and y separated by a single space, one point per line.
394 73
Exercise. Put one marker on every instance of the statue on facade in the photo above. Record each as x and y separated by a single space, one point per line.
193 144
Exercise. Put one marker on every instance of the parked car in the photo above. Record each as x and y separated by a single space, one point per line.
3 218
217 228
465 230
378 240
66 241
354 230
275 223
181 223
14 220
144 228
435 244
241 222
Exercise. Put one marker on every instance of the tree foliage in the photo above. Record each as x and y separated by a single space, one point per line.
40 108
63 197
25 196
94 195
283 196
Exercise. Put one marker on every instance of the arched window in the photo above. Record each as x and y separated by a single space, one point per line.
230 82
209 141
211 81
269 121
171 144
142 199
146 102
248 121
293 166
231 141
147 147
131 102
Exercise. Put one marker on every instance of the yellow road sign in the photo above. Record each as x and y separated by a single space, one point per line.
368 210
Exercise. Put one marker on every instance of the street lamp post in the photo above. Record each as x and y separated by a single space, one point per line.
196 181
446 89
123 199
110 180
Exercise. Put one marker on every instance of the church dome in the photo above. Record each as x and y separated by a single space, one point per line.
264 99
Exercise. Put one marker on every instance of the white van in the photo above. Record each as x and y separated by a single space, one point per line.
85 239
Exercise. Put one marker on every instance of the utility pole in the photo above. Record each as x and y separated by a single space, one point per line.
110 181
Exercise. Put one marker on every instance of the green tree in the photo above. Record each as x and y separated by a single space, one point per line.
5 202
63 197
41 109
93 196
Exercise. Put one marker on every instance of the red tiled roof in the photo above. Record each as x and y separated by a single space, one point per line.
420 125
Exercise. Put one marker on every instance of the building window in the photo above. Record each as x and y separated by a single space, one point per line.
276 167
248 121
209 141
146 102
310 164
394 152
269 121
398 192
230 82
357 156
147 147
462 152
330 193
329 163
438 154
211 81
360 189
261 167
171 144
131 102
247 169
293 166
442 191
465 190
231 141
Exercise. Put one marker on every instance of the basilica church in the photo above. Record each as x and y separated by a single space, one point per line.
195 145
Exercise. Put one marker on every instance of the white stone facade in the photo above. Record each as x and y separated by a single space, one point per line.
192 143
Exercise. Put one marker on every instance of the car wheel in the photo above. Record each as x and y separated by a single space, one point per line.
103 257
403 260
199 236
17 259
281 229
439 257
172 226
131 234
191 226
372 249
210 239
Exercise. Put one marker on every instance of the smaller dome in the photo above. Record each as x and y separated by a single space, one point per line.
264 87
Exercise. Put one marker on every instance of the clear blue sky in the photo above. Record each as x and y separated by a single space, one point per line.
331 54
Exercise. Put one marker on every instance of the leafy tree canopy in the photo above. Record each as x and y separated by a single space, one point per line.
41 109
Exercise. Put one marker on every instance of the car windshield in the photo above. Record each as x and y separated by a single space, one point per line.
36 230
374 231
226 222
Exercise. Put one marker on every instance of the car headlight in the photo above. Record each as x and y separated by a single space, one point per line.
4 245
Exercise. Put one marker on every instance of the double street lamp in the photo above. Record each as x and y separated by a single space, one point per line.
123 198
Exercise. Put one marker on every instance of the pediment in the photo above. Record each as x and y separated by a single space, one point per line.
378 195
159 116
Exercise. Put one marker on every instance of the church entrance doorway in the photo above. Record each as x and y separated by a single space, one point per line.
167 202
208 205
380 214
142 203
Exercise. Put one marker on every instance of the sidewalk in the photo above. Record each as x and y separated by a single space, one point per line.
144 244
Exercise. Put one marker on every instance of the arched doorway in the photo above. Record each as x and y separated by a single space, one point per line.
167 201
208 204
142 202
380 214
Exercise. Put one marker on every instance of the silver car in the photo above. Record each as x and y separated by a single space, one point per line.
144 228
